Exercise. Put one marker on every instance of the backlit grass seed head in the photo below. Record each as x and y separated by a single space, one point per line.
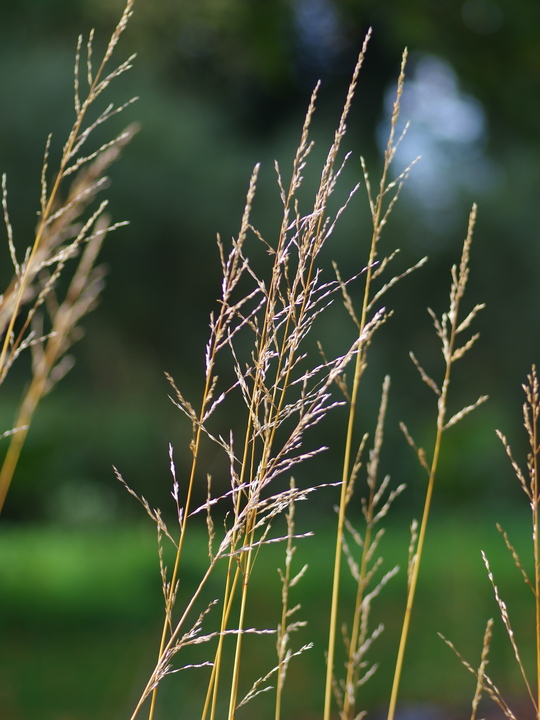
31 316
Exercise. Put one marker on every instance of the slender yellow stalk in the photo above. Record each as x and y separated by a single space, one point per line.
377 215
174 576
339 546
413 581
533 431
229 593
246 570
448 337
228 597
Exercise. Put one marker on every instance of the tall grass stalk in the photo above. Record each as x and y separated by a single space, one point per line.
302 153
448 328
286 350
380 207
284 393
61 234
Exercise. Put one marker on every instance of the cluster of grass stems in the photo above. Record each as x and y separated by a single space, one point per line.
262 330
37 312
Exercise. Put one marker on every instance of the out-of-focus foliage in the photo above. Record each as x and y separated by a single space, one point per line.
79 626
224 84
492 44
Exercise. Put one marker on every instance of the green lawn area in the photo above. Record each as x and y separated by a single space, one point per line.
80 615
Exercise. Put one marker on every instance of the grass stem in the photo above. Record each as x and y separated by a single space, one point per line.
377 214
447 329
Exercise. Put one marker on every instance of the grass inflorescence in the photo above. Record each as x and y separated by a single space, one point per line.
70 226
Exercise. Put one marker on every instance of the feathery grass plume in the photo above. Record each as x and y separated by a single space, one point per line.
284 391
381 206
506 621
63 231
177 640
482 669
374 508
483 682
529 484
448 327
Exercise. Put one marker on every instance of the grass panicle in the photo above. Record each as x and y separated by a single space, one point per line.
285 391
448 328
374 508
380 206
69 226
529 484
483 682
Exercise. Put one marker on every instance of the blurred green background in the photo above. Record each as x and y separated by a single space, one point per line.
224 84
